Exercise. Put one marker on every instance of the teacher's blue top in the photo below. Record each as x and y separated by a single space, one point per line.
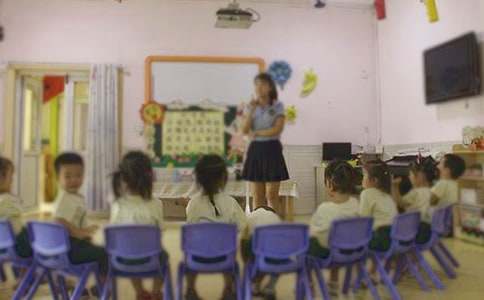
265 117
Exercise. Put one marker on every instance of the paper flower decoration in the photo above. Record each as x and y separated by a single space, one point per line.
291 114
432 12
152 112
280 72
310 83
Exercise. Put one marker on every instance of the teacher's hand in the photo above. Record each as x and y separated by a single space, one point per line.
254 103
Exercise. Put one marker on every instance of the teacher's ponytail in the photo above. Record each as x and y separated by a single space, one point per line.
211 175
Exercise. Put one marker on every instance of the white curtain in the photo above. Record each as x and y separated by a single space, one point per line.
103 136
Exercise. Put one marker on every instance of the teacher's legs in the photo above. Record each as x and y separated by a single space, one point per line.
259 194
272 195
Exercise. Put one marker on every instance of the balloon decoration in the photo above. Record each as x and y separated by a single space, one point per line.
380 8
280 71
310 83
432 12
291 114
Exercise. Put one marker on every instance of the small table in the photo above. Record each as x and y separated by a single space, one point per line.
172 195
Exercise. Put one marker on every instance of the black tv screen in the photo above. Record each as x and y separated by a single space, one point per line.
453 70
332 151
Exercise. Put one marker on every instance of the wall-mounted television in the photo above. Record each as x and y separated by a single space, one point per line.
453 69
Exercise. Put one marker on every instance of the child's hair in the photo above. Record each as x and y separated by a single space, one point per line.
342 177
265 207
379 172
135 170
267 78
5 165
67 158
455 164
211 175
427 167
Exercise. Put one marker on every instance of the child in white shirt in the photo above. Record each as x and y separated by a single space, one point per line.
422 175
339 179
376 202
263 215
133 186
211 204
446 191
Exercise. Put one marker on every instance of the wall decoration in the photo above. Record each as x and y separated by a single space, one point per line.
432 12
291 114
281 72
152 112
380 8
188 132
310 83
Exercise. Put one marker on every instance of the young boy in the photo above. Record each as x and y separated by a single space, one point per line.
446 190
70 211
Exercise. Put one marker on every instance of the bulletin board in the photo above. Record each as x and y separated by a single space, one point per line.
201 98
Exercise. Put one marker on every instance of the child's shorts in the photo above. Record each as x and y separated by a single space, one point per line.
424 233
83 251
22 244
132 262
316 250
248 254
381 240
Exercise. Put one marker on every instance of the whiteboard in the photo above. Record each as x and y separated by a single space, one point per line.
192 81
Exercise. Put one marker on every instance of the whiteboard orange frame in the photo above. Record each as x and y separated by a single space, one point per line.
194 59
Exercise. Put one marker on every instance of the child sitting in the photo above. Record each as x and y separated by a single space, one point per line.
10 209
211 204
446 190
263 215
376 202
70 211
133 186
339 179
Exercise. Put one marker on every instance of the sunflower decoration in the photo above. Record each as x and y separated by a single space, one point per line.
291 114
152 113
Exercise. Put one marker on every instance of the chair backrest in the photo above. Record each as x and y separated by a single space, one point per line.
404 231
449 219
7 241
209 246
439 220
280 241
50 244
141 243
349 238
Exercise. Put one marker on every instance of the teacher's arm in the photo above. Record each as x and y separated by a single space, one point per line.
247 125
274 130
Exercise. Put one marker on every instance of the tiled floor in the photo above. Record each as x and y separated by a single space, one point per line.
468 286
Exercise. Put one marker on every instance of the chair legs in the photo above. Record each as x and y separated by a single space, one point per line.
77 294
415 272
366 277
25 283
35 284
449 271
392 289
179 286
447 253
347 282
303 287
322 284
63 287
167 284
435 279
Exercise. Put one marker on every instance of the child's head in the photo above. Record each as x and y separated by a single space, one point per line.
423 173
451 167
211 175
339 177
135 174
377 175
69 168
6 175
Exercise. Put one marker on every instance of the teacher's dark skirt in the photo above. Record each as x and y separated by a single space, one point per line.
265 162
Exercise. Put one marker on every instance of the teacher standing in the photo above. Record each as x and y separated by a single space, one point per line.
264 165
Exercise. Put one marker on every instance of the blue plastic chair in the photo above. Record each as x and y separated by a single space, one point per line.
348 244
280 249
146 249
50 244
7 251
403 234
449 223
209 248
440 227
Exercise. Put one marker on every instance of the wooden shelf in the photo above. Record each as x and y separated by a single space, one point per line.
472 206
472 178
465 237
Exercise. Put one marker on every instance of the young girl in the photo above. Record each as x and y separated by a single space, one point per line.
376 202
133 185
339 179
422 175
213 205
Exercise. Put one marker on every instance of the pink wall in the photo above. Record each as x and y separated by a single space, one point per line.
338 42
402 37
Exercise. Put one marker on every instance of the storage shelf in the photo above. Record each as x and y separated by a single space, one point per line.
472 206
472 178
468 238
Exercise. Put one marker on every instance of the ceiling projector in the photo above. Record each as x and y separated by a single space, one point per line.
235 17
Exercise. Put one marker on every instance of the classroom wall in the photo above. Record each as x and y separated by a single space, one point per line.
337 42
402 38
